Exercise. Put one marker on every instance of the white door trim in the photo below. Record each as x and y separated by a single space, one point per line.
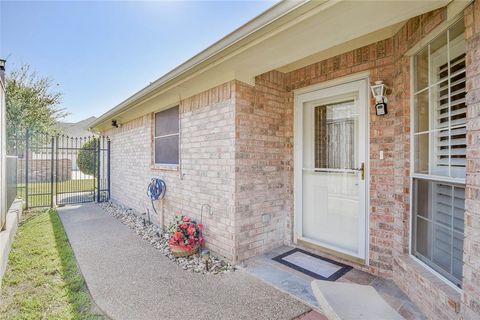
334 82
357 84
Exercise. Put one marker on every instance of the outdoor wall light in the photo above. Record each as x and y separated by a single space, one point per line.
2 70
378 92
115 124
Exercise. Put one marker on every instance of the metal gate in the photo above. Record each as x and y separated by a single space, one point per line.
59 170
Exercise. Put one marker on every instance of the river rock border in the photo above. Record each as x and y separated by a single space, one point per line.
159 240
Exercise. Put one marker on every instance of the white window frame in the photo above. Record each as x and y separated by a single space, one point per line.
164 164
428 177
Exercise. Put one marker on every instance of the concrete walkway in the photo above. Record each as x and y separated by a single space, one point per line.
129 279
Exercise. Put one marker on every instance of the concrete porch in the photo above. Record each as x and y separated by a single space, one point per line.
299 285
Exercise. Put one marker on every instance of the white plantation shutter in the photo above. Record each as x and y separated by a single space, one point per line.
451 114
458 231
439 148
448 222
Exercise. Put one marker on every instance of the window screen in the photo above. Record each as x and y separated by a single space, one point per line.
438 229
167 136
439 106
439 148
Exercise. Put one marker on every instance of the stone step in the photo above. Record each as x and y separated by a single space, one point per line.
350 301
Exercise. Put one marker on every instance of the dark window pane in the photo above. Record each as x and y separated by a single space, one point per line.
422 239
166 150
459 209
442 247
421 205
457 263
442 213
438 218
166 122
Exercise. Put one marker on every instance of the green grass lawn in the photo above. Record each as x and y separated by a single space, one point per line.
36 188
42 280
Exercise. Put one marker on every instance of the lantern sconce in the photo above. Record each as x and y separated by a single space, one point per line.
378 92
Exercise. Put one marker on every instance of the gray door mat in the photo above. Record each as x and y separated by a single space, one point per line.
310 264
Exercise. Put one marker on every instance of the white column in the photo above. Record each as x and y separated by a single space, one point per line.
3 148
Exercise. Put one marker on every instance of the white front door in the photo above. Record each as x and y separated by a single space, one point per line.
330 164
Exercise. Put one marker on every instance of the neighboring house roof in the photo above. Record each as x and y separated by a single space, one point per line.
76 129
289 35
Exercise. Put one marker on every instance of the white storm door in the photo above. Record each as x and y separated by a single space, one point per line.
330 168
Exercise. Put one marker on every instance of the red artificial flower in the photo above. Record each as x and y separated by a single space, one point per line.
178 235
191 229
188 234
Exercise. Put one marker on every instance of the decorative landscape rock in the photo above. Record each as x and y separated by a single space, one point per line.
158 238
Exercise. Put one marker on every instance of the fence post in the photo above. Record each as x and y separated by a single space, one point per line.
94 150
108 167
27 137
56 168
98 169
52 159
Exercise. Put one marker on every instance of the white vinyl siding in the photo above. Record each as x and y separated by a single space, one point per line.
439 154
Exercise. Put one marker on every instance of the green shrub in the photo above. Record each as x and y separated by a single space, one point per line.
87 157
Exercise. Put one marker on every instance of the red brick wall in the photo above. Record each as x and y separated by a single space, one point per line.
259 164
252 182
389 178
434 297
264 121
207 166
390 183
40 169
389 214
471 269
378 59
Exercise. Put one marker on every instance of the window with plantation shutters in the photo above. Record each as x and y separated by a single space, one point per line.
439 148
451 115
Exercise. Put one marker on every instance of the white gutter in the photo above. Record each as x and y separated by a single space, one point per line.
277 11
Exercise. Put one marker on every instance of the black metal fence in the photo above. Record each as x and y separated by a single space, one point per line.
82 169
59 170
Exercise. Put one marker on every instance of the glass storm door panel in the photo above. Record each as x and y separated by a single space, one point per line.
333 176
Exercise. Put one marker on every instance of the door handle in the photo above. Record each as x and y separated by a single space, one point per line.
361 169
